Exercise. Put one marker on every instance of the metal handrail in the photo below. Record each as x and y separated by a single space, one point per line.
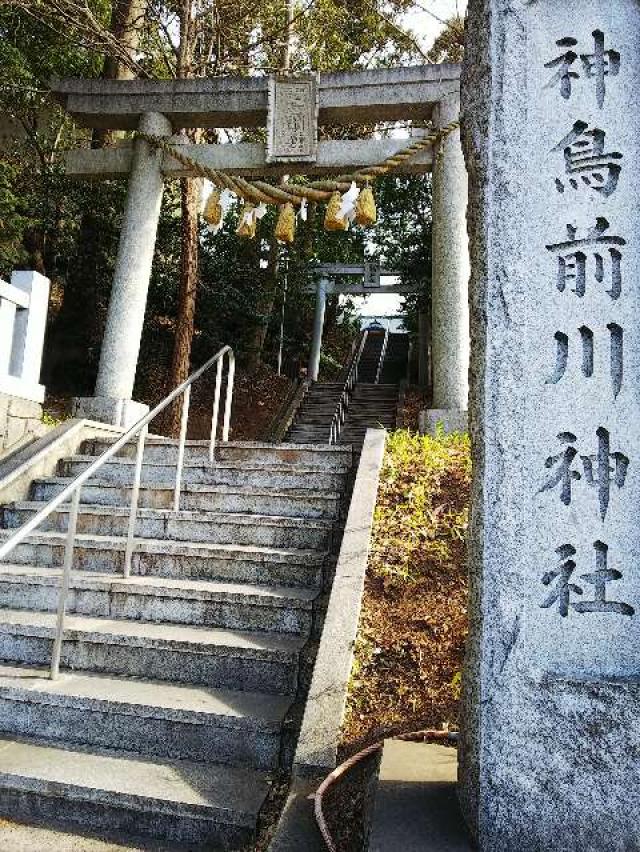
383 353
140 429
340 414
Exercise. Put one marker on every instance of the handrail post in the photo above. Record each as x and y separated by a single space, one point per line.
186 401
135 496
73 489
216 411
383 354
231 373
65 581
340 414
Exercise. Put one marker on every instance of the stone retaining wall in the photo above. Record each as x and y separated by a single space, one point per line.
19 419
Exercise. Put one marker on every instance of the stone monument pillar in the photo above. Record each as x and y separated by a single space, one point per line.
119 355
551 130
450 309
318 325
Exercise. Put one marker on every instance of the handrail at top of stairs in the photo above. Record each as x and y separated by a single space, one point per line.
140 430
340 414
383 353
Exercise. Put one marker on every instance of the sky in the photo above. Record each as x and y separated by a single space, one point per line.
426 27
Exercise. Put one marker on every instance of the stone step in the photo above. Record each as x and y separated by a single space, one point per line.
287 476
370 423
317 385
374 415
149 717
377 411
105 792
316 411
300 434
315 424
372 404
358 432
200 498
361 424
373 408
315 416
162 558
365 386
211 527
152 599
230 659
257 454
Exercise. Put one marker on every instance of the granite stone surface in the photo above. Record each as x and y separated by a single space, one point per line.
449 299
20 420
551 740
119 354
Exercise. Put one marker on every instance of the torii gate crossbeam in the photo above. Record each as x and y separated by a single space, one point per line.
162 107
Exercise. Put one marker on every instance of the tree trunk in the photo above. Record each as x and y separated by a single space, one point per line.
127 19
265 306
180 365
189 196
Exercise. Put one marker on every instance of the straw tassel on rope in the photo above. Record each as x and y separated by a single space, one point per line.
291 196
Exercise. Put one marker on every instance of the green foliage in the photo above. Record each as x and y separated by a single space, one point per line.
412 527
69 229
456 685
449 45
403 236
38 204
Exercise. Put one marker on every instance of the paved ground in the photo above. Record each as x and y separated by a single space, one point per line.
416 807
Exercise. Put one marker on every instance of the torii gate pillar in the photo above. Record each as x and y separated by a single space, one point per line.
450 285
119 356
318 325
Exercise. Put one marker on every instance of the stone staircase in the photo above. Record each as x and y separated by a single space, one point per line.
371 407
370 358
312 423
180 685
394 369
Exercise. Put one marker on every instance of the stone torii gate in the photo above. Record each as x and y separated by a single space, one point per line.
333 278
163 107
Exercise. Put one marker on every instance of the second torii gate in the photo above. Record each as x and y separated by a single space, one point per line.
335 278
163 107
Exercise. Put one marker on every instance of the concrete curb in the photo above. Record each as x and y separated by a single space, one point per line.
40 458
284 424
317 749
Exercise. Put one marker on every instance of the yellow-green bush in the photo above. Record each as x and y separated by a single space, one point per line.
422 502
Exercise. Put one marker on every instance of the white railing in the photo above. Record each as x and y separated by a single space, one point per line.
139 429
342 407
383 355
